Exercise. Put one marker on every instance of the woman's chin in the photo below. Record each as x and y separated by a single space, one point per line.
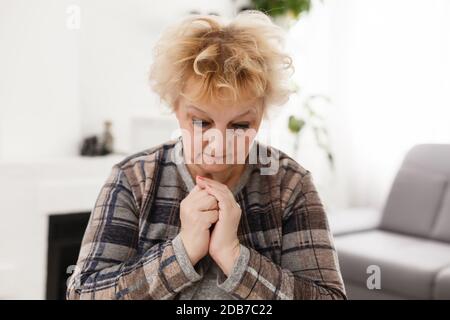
215 167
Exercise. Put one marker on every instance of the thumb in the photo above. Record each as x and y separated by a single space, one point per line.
200 182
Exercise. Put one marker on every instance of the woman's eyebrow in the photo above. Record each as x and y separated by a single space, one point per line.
198 109
250 110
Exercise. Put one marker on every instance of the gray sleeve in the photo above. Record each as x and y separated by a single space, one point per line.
239 267
184 261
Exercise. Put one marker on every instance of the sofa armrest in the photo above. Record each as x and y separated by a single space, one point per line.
353 220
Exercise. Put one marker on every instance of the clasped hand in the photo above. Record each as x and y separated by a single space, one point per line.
211 203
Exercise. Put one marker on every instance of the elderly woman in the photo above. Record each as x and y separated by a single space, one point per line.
213 214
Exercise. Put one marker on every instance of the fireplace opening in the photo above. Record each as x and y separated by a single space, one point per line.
65 234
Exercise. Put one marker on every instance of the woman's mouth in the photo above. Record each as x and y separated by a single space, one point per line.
221 157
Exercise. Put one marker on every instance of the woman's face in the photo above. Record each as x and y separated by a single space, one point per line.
217 135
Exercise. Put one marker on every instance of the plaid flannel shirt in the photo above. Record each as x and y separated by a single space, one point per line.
131 248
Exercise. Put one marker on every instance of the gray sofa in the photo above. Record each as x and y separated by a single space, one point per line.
410 242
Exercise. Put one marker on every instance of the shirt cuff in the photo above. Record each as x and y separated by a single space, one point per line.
184 261
237 272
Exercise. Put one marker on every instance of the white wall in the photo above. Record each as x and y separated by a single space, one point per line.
393 85
386 67
58 85
39 81
116 44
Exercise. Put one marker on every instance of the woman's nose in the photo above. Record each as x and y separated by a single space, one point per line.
219 141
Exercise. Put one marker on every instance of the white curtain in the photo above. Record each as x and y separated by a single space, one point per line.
385 64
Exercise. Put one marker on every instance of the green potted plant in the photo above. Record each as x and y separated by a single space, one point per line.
282 7
284 12
313 120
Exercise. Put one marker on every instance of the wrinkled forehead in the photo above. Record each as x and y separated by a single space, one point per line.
224 105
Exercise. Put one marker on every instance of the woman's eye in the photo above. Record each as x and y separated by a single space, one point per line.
243 125
200 123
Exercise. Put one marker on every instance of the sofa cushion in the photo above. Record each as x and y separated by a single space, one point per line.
429 157
413 202
408 265
442 285
343 221
441 229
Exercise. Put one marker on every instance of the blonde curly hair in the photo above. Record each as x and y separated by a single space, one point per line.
244 56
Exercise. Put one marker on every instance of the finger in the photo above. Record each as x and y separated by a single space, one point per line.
211 216
196 189
200 182
202 200
218 194
208 202
200 193
211 182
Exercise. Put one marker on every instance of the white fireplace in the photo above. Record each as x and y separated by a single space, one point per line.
30 193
